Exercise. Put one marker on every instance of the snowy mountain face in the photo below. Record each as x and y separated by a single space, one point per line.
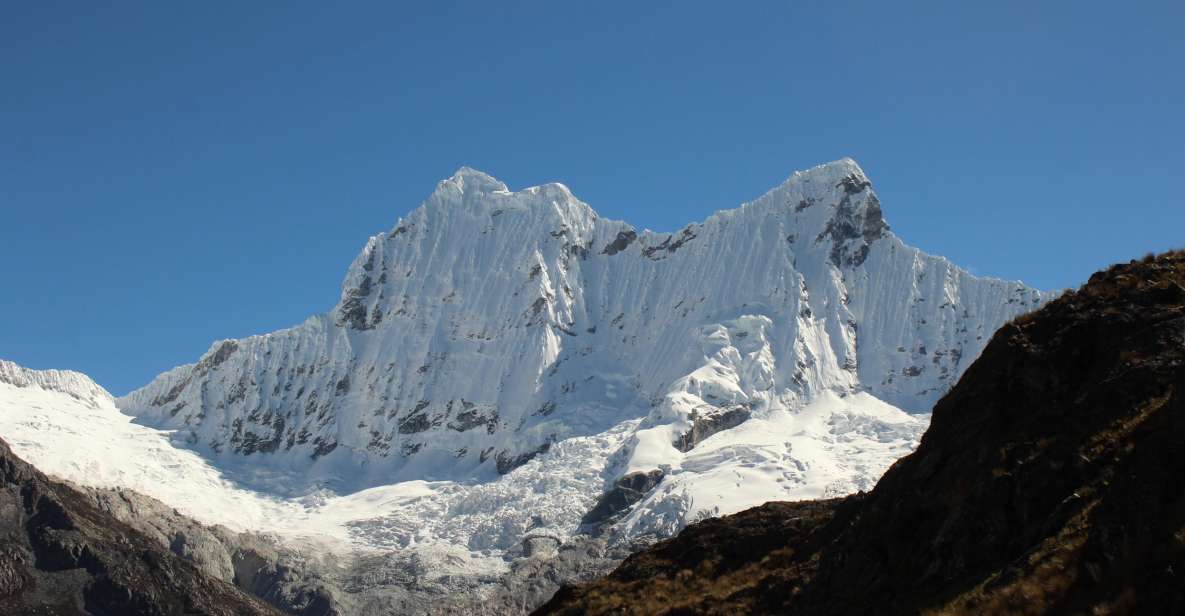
512 390
76 385
489 326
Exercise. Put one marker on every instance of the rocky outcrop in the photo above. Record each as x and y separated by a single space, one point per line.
620 243
626 491
705 425
258 565
508 461
540 546
1048 482
857 223
60 554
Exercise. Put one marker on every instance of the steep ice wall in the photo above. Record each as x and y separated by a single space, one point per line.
489 324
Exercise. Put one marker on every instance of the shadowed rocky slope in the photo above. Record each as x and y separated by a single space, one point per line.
257 564
60 554
1048 482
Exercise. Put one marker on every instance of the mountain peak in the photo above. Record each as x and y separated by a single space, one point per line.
844 173
466 172
834 171
72 383
469 181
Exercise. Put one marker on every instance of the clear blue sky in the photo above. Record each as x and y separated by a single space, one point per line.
174 175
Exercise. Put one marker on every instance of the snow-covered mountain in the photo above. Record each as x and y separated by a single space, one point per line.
507 373
489 325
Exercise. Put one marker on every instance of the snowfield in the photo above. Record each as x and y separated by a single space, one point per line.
832 447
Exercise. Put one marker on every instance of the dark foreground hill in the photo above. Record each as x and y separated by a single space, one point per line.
62 555
1052 480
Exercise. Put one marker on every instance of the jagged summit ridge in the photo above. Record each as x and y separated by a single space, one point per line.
489 324
74 384
467 180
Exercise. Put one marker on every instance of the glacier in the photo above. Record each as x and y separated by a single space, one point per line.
507 370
